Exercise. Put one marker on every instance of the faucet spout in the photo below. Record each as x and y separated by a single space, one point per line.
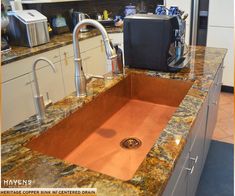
80 79
38 99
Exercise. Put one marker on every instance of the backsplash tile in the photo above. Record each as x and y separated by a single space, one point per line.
90 7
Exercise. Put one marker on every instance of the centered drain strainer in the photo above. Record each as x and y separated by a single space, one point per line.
130 143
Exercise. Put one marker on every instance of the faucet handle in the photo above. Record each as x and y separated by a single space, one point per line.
89 77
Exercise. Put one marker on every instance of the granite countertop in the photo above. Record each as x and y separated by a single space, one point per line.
19 162
17 52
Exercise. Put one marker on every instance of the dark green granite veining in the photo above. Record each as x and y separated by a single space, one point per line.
153 174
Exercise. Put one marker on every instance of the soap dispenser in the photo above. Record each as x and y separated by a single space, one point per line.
119 68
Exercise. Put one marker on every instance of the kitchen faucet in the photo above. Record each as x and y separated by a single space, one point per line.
38 99
80 78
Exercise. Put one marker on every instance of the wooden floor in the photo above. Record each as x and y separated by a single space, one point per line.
224 130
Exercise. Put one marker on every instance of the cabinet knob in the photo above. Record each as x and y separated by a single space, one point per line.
190 170
194 159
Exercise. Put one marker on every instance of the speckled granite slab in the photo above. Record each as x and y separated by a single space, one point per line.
153 174
57 41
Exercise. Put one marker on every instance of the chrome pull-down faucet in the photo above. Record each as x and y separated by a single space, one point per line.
38 98
80 78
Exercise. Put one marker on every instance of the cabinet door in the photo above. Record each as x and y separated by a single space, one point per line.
181 185
68 74
197 150
95 62
17 101
221 13
214 95
50 84
177 184
216 38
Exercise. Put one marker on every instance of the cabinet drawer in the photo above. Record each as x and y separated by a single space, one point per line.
90 43
84 45
180 188
21 67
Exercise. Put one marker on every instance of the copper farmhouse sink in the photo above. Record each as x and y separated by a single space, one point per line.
113 133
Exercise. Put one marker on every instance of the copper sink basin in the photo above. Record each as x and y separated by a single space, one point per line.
137 107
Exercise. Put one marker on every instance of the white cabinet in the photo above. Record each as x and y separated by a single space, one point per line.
94 61
50 84
221 13
17 101
222 37
221 34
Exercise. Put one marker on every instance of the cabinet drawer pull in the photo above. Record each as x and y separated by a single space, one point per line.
102 45
65 58
86 58
215 103
28 83
190 170
194 159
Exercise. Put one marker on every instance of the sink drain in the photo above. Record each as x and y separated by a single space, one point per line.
130 143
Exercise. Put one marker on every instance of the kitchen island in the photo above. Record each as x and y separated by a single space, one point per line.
155 174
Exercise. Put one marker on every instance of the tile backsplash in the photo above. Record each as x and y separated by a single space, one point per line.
91 7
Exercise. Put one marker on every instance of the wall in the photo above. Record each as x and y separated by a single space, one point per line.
90 7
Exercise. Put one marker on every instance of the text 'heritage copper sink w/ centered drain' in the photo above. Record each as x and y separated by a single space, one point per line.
136 109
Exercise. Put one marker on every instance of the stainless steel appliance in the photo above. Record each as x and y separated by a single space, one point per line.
154 42
27 28
78 17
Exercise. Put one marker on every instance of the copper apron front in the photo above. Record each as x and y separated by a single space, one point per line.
139 106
